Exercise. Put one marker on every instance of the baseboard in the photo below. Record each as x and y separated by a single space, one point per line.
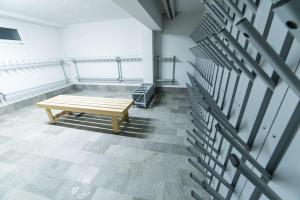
99 88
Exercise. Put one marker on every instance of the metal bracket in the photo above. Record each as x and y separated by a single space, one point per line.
2 97
288 12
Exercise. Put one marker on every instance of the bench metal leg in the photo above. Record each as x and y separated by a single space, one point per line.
115 125
49 113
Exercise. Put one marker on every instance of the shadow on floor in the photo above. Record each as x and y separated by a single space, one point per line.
137 127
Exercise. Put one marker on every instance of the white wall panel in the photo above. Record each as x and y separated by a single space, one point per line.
39 44
174 40
105 39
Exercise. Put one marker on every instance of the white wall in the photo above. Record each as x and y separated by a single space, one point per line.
40 42
175 40
148 55
125 37
107 38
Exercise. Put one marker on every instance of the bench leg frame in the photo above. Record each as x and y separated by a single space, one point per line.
52 118
50 115
115 124
126 116
115 121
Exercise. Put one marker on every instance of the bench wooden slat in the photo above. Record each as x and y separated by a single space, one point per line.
97 98
92 101
81 109
71 106
82 103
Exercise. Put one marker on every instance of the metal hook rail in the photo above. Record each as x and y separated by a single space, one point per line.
171 81
113 59
20 65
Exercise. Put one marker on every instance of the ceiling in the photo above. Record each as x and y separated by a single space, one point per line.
65 11
185 6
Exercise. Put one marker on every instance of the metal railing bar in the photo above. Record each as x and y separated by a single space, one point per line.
249 60
244 150
195 195
213 12
202 171
238 63
204 141
253 178
215 174
208 188
206 153
244 104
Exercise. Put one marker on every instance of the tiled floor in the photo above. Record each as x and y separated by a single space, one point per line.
80 158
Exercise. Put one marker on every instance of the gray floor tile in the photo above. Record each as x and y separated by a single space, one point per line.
180 111
11 156
157 146
180 150
72 190
18 178
96 147
138 198
109 139
3 139
42 161
174 192
54 167
6 168
112 181
31 160
133 142
142 188
81 173
111 195
44 186
22 195
53 130
4 190
183 178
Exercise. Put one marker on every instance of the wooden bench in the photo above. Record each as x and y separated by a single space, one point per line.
116 108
